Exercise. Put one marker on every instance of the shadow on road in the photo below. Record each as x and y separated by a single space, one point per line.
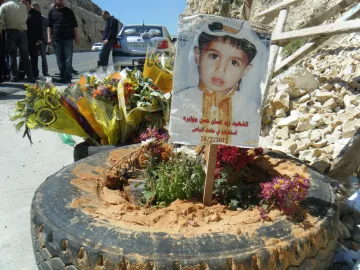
11 96
18 86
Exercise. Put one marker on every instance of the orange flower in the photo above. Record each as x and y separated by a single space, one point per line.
97 93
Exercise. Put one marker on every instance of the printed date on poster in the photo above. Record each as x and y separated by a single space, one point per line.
206 139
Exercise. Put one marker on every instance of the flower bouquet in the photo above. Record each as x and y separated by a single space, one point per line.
44 108
142 104
160 70
98 101
97 108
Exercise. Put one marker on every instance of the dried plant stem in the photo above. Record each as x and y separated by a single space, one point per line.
270 207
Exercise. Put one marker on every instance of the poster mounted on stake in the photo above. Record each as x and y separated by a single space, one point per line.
219 68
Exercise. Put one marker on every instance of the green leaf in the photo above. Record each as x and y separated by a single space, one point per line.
19 125
15 117
148 195
233 204
155 94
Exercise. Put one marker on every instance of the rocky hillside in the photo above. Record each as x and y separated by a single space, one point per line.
194 7
313 108
88 20
298 15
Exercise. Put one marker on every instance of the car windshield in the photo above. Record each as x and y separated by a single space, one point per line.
139 30
98 44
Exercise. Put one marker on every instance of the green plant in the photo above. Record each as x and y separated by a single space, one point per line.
236 195
293 46
232 186
181 177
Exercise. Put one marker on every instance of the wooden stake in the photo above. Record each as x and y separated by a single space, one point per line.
329 13
246 9
336 28
225 9
312 45
273 11
274 50
300 53
210 171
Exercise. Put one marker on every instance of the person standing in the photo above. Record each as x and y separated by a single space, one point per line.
109 36
2 51
43 45
13 17
34 34
62 31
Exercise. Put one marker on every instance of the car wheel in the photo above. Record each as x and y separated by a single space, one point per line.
65 237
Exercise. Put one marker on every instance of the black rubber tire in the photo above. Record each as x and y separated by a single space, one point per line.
66 238
84 149
92 150
81 151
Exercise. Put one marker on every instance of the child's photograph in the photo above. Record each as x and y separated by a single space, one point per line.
219 69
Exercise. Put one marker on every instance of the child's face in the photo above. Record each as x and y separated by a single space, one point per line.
221 65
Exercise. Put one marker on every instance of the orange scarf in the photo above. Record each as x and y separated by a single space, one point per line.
212 112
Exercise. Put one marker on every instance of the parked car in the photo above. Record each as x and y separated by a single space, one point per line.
96 47
134 40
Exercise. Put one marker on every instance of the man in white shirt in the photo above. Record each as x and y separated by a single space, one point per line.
13 17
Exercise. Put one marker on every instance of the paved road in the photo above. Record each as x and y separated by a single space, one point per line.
23 167
82 62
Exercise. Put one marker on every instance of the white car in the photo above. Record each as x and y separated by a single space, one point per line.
134 40
96 47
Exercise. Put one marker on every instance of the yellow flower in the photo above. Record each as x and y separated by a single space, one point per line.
92 79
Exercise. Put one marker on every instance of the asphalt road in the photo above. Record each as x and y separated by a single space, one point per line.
82 62
23 167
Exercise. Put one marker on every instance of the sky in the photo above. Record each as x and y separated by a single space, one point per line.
163 12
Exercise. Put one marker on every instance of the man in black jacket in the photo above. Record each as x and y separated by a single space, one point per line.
34 35
109 36
62 31
2 51
43 45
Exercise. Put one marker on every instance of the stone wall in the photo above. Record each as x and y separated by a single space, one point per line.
88 21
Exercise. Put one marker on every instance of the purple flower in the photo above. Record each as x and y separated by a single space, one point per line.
287 193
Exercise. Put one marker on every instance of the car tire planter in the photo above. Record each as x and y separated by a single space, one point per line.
84 149
66 238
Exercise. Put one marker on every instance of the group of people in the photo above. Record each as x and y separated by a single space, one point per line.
24 29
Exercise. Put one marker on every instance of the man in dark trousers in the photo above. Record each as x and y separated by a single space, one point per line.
34 34
13 17
62 31
43 45
109 36
2 51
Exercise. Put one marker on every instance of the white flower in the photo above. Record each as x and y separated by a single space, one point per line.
187 151
167 95
148 141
